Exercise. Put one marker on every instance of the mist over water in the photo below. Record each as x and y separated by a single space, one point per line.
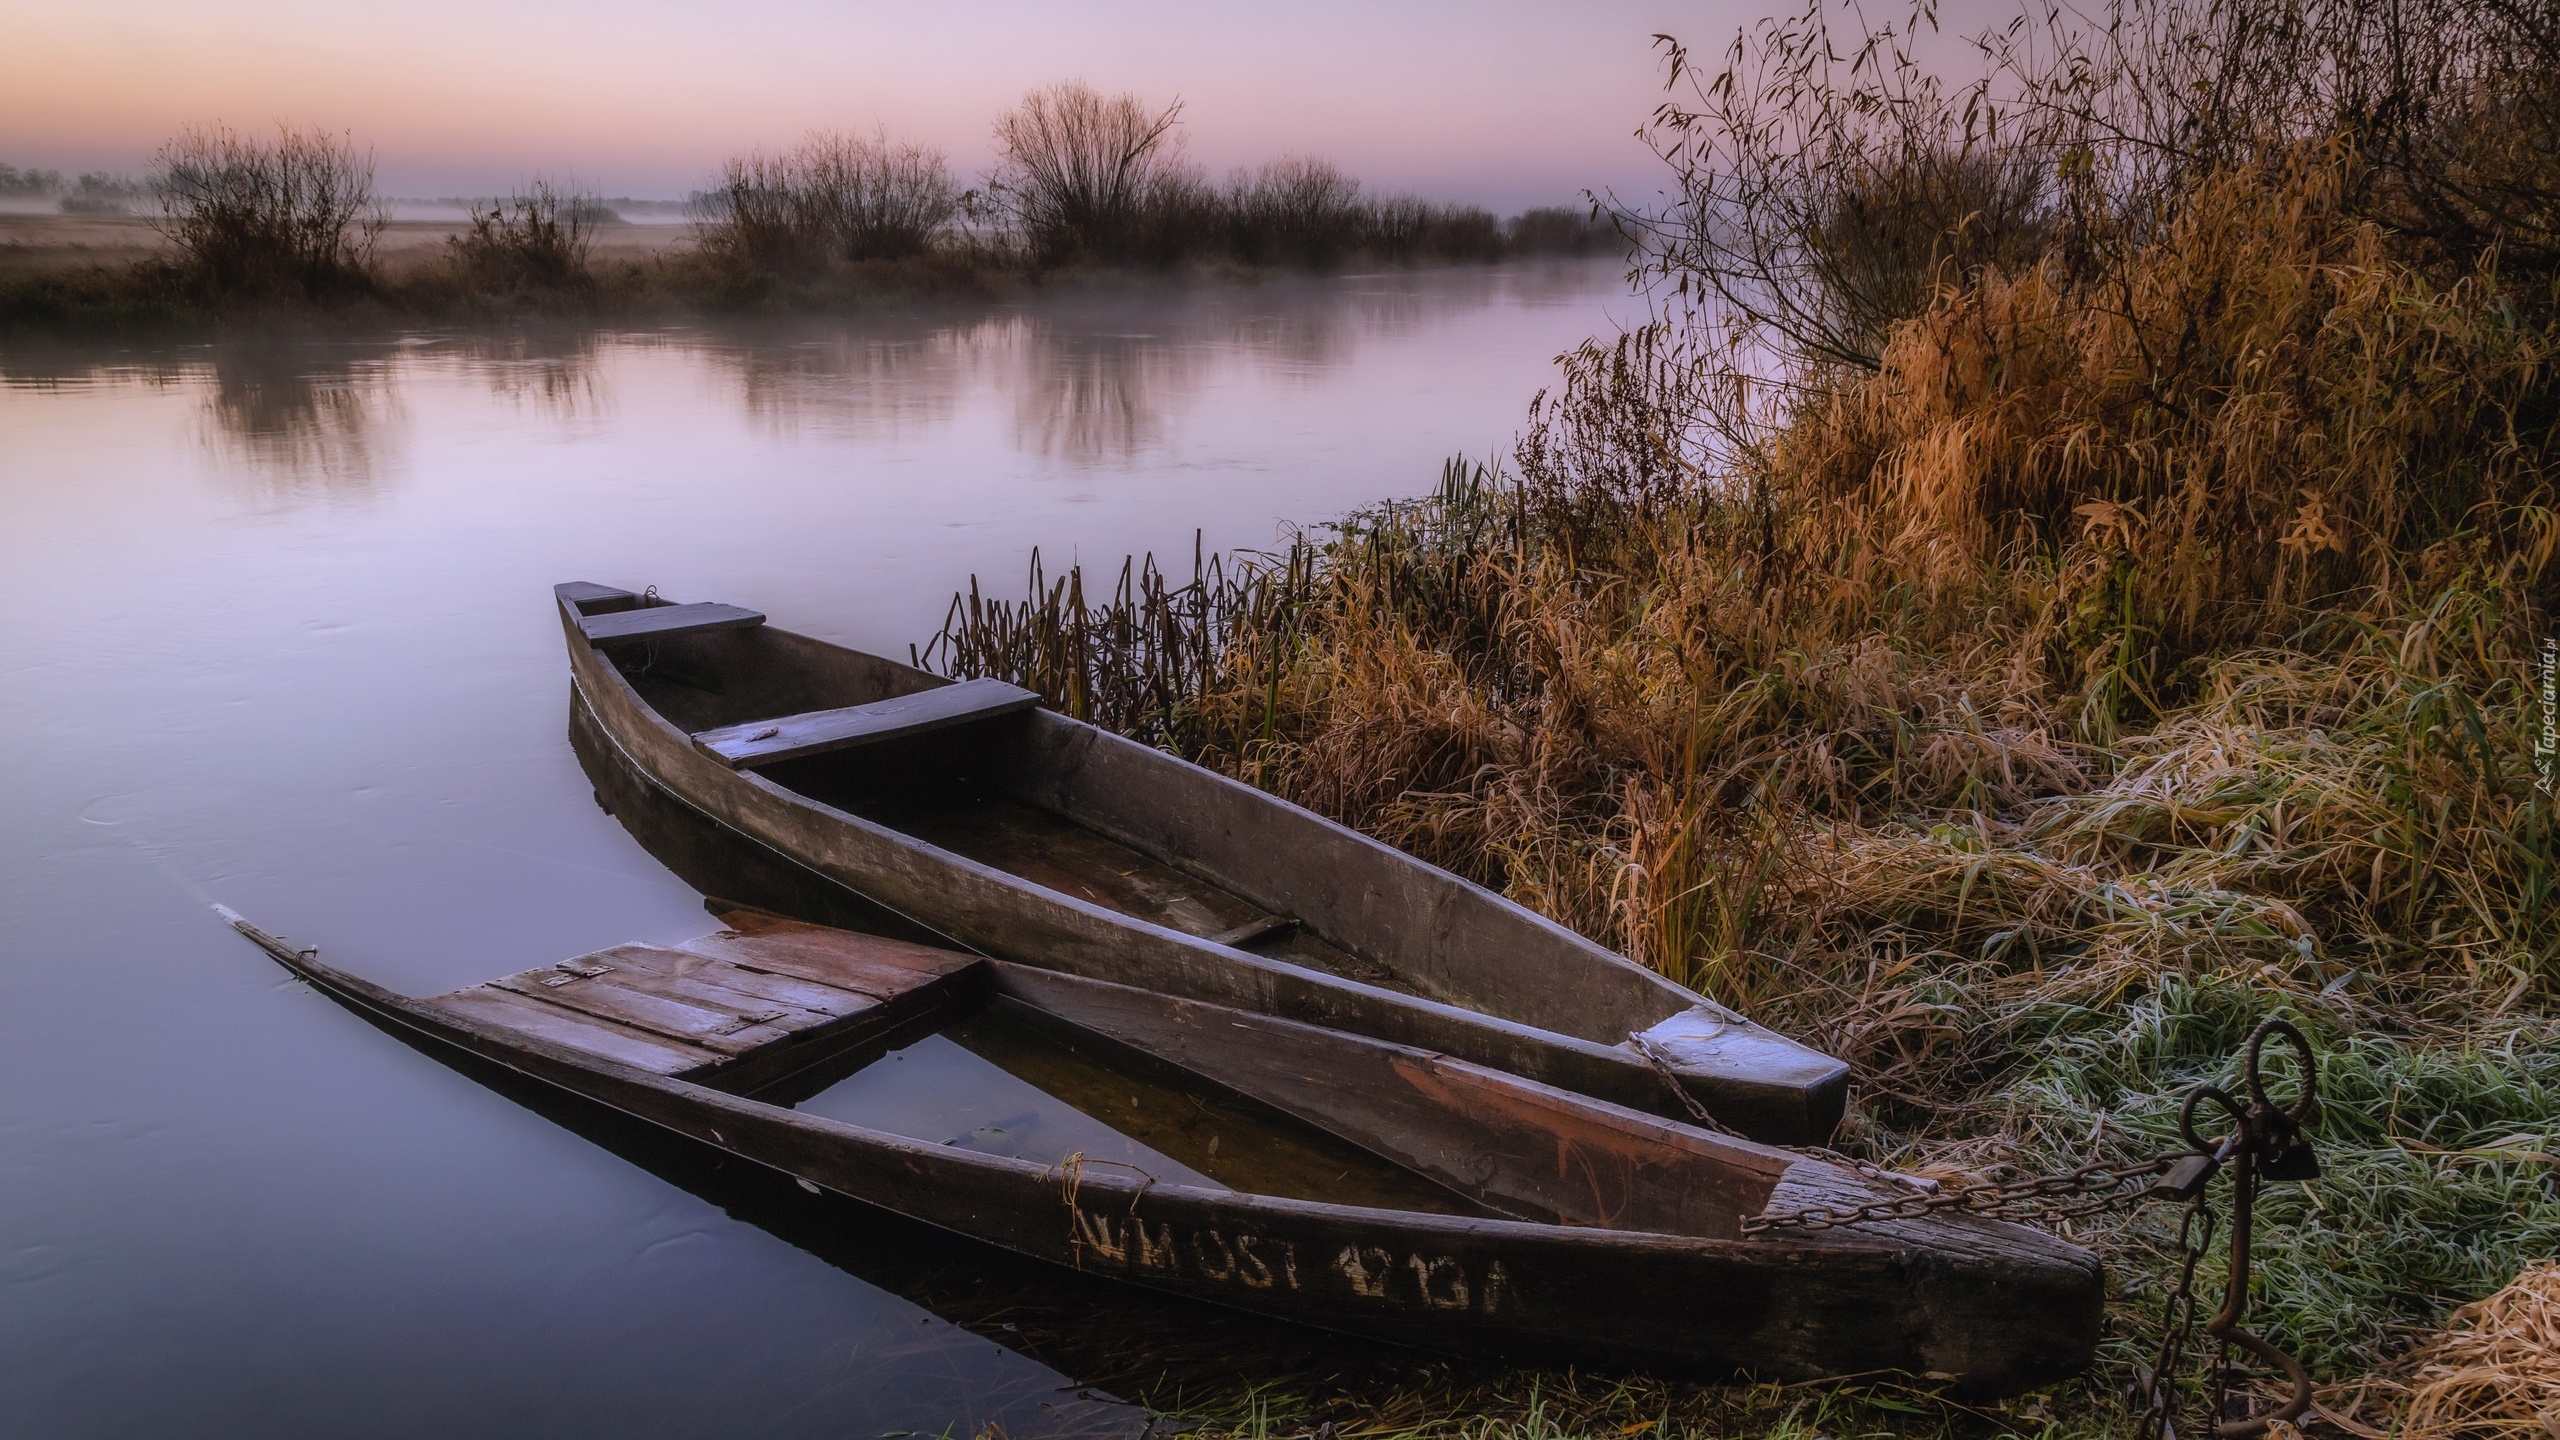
281 636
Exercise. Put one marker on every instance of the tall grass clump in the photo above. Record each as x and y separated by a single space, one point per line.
295 215
2058 581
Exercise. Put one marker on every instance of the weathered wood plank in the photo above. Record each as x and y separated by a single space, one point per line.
719 982
789 737
1247 935
589 598
708 986
656 622
604 1040
1531 1149
728 1032
866 964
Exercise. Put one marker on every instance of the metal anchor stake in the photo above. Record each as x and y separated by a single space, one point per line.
2265 1143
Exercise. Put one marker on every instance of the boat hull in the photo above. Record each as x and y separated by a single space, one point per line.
1972 1313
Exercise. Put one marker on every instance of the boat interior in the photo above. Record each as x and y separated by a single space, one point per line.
971 1053
969 780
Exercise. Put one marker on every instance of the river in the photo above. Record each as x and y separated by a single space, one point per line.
279 634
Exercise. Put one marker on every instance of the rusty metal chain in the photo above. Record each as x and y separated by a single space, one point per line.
2044 1197
2266 1142
1697 1108
2155 1389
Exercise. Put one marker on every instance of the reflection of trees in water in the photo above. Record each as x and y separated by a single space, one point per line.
1092 378
1082 395
296 418
299 424
885 380
555 374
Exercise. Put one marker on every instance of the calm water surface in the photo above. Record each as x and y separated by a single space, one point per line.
278 633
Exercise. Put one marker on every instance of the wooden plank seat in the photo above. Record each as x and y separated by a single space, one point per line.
767 742
736 1009
657 622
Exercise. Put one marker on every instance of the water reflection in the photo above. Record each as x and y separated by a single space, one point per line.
296 425
1032 1310
553 374
1089 398
890 380
1083 379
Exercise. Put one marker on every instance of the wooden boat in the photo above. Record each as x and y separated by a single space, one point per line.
1366 1186
982 821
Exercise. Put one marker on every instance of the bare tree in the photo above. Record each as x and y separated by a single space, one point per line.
1080 171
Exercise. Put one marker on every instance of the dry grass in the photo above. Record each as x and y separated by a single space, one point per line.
2022 720
2494 1374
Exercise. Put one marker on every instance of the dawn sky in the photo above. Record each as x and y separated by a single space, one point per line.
1502 104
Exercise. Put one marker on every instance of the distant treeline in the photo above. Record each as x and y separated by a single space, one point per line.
1085 178
95 193
1082 180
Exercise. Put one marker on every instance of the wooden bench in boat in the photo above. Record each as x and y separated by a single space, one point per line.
657 622
743 1010
767 742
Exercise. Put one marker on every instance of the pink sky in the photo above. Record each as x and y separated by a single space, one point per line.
1504 104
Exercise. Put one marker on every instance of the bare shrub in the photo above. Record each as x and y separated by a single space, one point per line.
1407 228
1555 230
1295 209
2450 110
753 218
835 197
1826 191
295 213
1080 172
874 198
537 239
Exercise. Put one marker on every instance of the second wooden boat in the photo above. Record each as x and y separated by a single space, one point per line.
1009 830
1256 1162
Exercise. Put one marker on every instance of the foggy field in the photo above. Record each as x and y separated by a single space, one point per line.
38 242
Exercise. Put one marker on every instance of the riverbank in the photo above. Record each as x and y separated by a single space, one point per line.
2022 679
40 242
68 275
63 277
